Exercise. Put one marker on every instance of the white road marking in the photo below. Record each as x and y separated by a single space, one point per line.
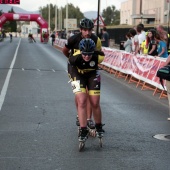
6 83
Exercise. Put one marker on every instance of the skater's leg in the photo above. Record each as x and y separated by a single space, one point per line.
81 99
95 104
89 109
89 113
90 122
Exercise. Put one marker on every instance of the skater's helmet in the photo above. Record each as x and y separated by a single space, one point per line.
87 45
86 23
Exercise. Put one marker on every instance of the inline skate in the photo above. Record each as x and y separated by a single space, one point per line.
83 136
91 128
99 133
78 125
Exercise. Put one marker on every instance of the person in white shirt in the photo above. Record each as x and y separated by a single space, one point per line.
141 36
135 41
143 31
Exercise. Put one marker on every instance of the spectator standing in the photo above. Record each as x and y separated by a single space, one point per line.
105 38
141 36
162 46
144 45
143 29
152 44
163 34
135 41
128 43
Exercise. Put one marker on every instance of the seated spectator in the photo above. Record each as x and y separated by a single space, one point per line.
162 46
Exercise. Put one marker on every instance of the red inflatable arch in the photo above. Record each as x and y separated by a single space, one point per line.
25 17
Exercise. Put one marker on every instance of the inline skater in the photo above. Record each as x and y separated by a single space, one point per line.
10 35
86 75
45 36
31 38
86 28
52 38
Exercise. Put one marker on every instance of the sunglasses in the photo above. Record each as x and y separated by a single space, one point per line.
86 53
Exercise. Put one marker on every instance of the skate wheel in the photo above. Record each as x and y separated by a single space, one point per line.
100 142
92 132
78 131
81 146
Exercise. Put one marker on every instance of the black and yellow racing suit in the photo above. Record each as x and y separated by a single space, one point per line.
73 45
86 72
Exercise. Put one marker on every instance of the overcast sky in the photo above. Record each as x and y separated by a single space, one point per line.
84 5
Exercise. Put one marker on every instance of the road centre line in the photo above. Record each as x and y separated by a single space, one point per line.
6 83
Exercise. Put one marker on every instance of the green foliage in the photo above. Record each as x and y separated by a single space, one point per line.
73 12
1 12
10 26
111 16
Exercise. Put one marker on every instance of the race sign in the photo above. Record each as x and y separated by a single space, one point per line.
101 22
71 23
9 1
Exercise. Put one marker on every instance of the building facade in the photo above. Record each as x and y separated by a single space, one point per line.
133 12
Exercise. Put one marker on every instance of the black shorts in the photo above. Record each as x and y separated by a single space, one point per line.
89 80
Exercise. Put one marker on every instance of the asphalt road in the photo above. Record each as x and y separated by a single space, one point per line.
37 117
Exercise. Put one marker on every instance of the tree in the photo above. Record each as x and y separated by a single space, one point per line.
10 26
111 16
1 12
73 12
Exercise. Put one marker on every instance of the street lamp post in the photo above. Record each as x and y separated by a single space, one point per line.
56 16
67 17
98 14
49 17
141 16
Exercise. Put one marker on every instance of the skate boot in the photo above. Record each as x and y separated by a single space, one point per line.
77 121
83 135
78 125
99 133
91 127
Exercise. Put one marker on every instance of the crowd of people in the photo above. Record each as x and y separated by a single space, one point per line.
153 42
